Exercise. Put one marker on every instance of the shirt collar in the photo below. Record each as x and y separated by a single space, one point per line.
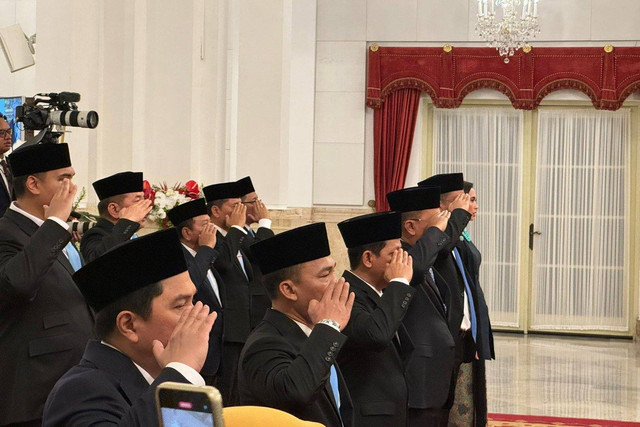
191 251
368 284
305 328
33 218
221 230
147 376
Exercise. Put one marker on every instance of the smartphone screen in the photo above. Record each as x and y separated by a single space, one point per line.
182 408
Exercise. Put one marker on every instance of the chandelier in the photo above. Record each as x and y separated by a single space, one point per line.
519 24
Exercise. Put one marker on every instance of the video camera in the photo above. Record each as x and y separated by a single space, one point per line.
46 110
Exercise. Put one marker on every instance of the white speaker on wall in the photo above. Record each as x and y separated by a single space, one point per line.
17 48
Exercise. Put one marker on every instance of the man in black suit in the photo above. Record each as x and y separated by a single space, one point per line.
5 182
123 211
430 368
456 202
227 214
198 238
288 362
44 319
149 332
257 212
372 360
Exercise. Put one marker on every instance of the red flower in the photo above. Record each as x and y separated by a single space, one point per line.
149 192
191 189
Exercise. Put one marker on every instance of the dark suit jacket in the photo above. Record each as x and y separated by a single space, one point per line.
105 236
198 267
44 320
370 360
259 299
237 306
429 369
471 259
282 368
5 197
105 388
446 266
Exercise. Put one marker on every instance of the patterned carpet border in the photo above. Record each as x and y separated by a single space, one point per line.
508 420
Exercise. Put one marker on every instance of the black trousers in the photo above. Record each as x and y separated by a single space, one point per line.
227 382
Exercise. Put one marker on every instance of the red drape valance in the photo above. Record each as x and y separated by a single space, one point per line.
607 75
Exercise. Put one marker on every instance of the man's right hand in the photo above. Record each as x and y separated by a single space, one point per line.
189 342
61 203
439 220
137 212
336 304
462 201
401 266
238 216
208 236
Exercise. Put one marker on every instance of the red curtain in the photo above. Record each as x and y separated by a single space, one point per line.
394 125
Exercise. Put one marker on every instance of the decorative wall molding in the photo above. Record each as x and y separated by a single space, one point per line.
606 75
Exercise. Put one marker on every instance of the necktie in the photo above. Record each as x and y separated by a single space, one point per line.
465 236
251 232
241 261
467 289
333 379
134 236
7 175
74 256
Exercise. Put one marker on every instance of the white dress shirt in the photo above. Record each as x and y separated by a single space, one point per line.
212 279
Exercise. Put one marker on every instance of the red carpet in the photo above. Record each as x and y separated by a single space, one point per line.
507 420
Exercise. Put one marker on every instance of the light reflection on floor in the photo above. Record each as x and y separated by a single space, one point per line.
565 377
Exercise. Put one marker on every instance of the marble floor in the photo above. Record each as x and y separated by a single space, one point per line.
565 377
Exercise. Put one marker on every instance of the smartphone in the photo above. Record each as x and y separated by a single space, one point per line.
181 404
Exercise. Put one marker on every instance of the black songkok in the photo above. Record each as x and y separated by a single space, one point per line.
292 247
414 199
131 266
39 158
225 190
446 181
245 186
120 183
371 228
187 211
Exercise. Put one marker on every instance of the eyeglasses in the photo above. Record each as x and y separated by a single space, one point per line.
5 132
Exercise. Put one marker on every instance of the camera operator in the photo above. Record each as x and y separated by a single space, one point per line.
44 320
123 211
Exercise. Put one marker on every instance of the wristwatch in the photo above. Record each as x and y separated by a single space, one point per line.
330 322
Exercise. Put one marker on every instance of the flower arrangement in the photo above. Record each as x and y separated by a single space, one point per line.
165 198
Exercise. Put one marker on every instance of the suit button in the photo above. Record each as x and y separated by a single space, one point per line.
332 348
328 359
336 343
404 304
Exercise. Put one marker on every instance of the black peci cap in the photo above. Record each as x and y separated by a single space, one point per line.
292 247
224 190
120 183
131 266
245 186
39 158
187 211
371 228
446 181
414 199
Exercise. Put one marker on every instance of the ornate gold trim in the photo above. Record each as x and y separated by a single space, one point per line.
374 47
447 48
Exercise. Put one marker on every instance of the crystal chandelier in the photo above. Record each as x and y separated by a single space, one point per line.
518 25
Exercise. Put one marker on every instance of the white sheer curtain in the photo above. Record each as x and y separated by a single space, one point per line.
485 143
580 258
